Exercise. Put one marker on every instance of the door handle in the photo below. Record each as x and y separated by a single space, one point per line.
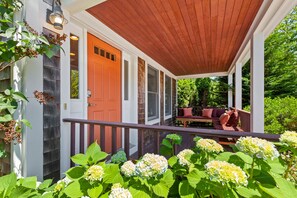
91 104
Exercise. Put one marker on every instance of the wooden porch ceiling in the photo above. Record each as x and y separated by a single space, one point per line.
185 36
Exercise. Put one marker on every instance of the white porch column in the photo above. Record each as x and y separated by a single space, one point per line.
257 83
230 92
238 86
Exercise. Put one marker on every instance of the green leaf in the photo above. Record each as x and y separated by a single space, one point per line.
73 190
75 173
95 192
264 177
29 182
43 39
167 143
161 190
6 118
284 188
7 92
27 123
276 166
246 158
112 174
45 184
168 178
80 159
172 161
9 32
19 96
224 156
194 177
139 191
186 190
93 149
5 106
21 192
7 182
99 156
251 191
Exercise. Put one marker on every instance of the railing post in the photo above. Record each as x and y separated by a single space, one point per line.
157 142
102 137
82 138
72 150
127 143
92 135
114 140
140 143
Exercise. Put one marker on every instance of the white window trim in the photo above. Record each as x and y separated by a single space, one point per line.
166 117
157 120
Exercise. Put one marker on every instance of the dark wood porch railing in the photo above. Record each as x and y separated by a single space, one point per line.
157 129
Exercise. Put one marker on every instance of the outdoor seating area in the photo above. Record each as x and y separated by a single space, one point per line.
221 119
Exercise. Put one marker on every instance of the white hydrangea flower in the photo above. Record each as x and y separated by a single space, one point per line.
257 147
209 145
225 172
290 138
118 192
85 197
182 157
151 165
94 173
128 169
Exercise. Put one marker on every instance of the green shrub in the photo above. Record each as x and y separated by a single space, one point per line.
280 115
119 158
256 170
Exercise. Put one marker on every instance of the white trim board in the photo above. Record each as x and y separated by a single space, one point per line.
74 6
206 75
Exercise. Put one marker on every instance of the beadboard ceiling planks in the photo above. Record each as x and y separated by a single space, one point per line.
185 36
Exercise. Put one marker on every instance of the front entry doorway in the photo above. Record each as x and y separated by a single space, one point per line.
104 87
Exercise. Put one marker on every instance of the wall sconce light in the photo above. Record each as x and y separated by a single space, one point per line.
56 16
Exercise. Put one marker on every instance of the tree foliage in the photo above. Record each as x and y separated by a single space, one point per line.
186 90
280 62
280 114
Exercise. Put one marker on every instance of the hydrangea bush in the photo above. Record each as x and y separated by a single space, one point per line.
256 169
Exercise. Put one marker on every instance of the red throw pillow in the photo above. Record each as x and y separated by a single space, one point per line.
233 120
188 112
224 118
207 113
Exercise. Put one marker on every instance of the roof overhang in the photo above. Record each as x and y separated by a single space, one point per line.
269 14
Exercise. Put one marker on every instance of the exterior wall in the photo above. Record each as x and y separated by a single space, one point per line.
141 91
51 116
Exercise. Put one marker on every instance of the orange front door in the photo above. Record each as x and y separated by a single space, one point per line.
104 85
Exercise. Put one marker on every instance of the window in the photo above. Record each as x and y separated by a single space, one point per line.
74 71
153 93
167 96
126 80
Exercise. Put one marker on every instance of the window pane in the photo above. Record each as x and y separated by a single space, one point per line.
74 69
126 80
167 95
153 93
152 80
153 106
